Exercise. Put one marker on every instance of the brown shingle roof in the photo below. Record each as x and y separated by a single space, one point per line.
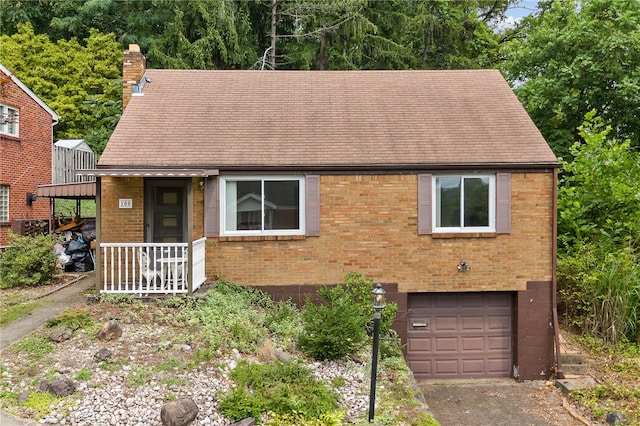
334 119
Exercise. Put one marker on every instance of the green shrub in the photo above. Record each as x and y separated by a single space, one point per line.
360 288
335 327
281 388
28 261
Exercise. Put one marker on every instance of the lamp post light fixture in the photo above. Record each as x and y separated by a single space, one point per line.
378 304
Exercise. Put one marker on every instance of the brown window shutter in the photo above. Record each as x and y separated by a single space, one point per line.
312 205
424 204
503 203
211 207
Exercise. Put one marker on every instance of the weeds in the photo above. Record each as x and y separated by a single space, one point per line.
35 348
72 319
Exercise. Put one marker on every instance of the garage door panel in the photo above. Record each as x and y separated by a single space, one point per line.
472 322
473 300
472 366
418 344
445 323
473 344
445 367
424 368
465 335
498 365
499 343
498 322
445 344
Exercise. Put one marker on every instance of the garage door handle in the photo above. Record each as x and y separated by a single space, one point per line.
420 324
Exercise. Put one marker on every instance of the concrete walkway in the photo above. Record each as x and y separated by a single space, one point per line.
60 299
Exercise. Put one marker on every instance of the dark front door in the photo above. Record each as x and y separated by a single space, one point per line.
165 211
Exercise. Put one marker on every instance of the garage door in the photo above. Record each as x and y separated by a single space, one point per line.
459 335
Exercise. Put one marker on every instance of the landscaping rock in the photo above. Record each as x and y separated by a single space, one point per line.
179 413
615 419
60 334
24 395
110 331
103 354
62 387
281 355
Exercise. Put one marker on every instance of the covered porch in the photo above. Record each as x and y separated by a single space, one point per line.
150 231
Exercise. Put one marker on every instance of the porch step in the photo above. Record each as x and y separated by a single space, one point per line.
570 384
573 361
573 364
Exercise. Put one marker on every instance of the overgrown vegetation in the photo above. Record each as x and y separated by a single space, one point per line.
28 261
72 319
231 323
617 370
599 242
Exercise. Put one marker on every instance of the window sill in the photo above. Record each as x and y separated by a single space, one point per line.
262 238
450 235
10 137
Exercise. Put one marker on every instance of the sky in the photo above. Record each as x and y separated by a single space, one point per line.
515 13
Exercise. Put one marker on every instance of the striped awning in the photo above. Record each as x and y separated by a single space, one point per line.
78 190
148 172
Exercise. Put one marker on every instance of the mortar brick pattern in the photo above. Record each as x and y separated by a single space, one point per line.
25 161
369 225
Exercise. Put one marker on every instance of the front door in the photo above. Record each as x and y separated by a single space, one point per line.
165 211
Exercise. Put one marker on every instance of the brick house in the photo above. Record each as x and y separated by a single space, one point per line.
26 139
435 183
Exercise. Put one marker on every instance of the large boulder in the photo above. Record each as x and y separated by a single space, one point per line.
180 412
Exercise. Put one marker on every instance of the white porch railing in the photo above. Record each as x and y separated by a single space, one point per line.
152 268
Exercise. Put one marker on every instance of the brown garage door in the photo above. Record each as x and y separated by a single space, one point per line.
459 335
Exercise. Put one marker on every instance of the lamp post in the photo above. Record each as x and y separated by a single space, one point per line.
378 304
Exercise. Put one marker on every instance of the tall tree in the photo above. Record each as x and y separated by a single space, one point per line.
80 83
575 56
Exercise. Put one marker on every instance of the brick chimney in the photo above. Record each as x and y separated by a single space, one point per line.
134 65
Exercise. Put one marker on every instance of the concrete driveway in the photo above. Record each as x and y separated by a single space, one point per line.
496 402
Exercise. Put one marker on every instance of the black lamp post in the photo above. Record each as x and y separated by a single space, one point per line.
378 304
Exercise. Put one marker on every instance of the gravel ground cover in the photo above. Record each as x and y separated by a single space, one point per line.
152 363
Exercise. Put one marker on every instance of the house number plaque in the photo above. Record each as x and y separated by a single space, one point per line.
126 203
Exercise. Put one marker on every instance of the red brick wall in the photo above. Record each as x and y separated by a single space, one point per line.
25 161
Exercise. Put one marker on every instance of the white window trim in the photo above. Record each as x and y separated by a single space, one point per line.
4 109
7 189
462 229
223 205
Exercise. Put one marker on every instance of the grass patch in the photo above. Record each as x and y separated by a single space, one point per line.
11 313
83 375
35 348
39 403
72 319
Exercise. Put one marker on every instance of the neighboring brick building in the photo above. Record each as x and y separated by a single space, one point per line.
435 183
26 139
